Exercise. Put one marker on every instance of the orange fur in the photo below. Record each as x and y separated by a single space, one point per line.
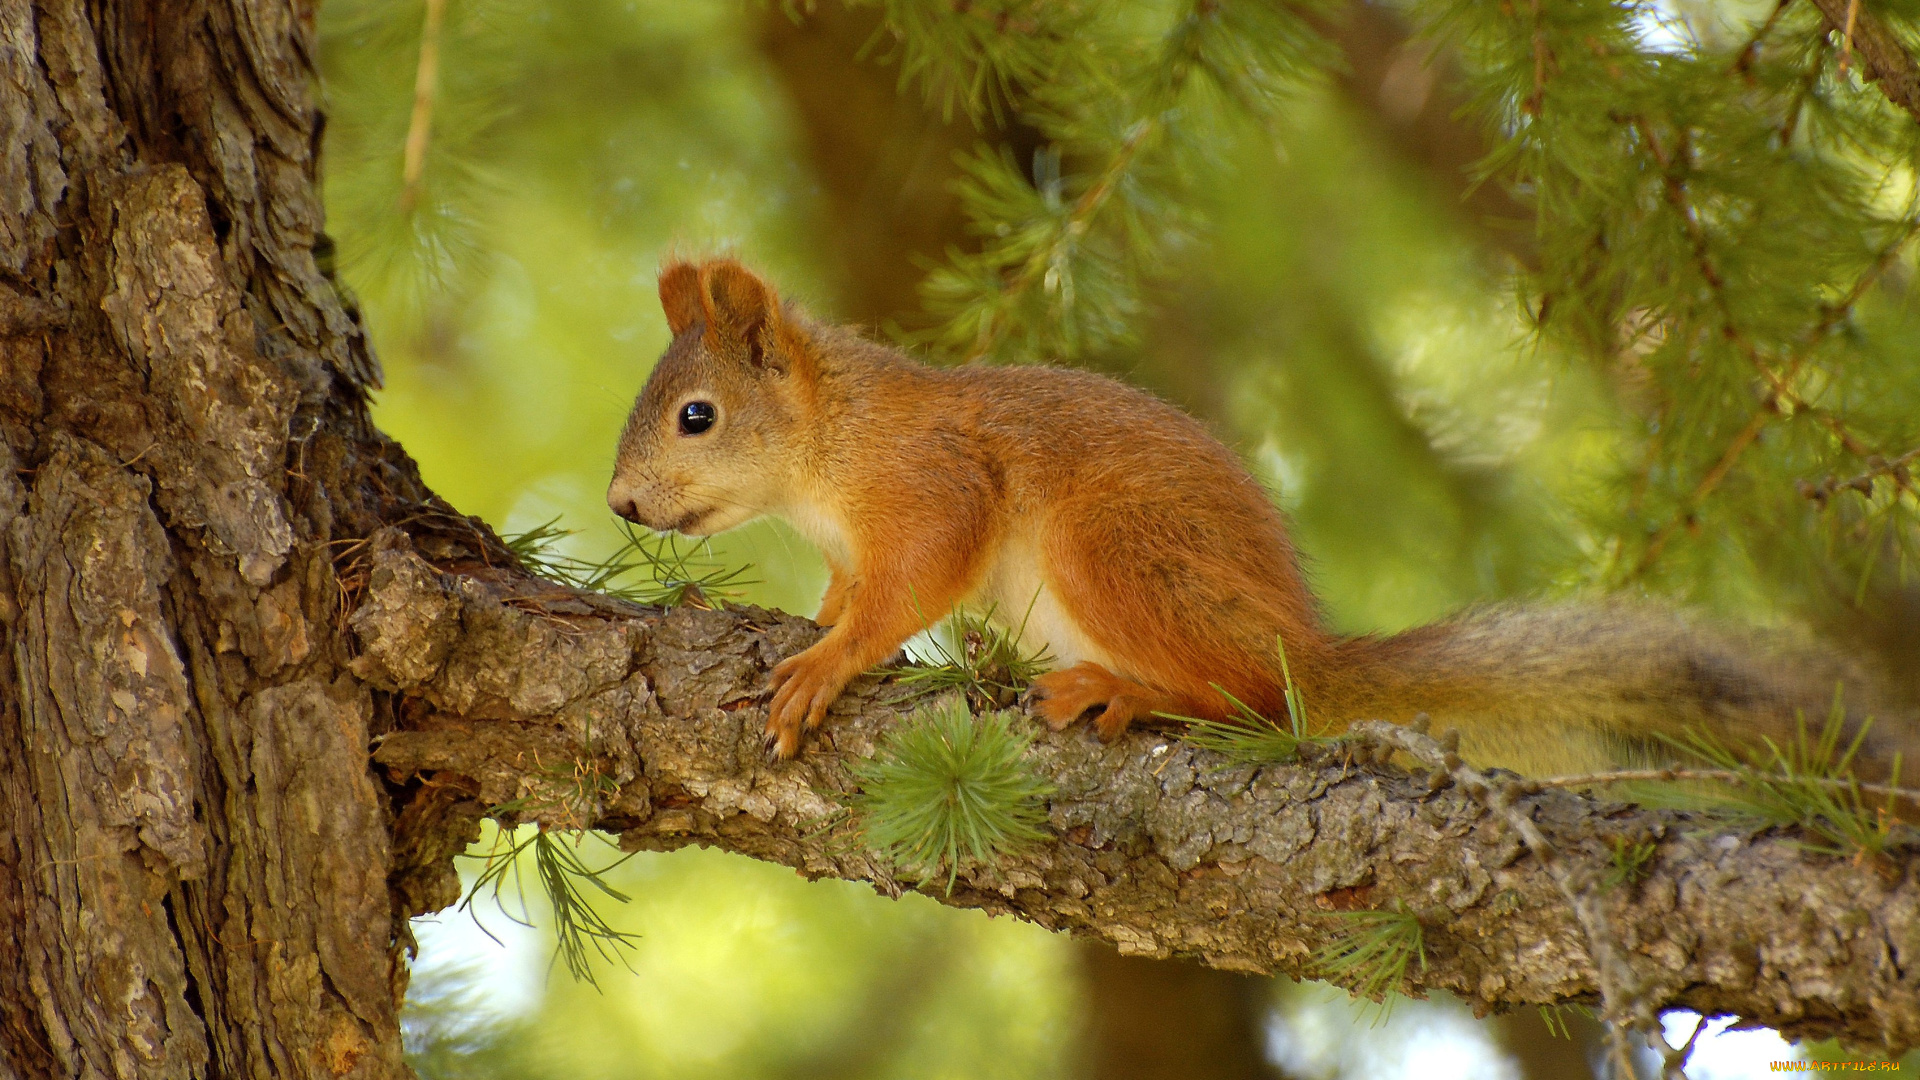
1149 561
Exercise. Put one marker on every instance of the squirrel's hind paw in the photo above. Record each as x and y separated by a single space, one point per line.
1061 697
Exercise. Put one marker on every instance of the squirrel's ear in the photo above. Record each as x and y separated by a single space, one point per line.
743 308
738 302
680 296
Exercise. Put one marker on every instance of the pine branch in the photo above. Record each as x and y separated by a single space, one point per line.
1623 994
1782 399
1033 270
1065 256
1743 60
1895 469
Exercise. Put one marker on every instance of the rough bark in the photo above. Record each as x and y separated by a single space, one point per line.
508 694
193 851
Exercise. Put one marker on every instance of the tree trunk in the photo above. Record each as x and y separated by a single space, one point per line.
221 587
193 851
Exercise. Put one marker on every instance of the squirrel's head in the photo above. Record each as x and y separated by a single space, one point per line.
711 441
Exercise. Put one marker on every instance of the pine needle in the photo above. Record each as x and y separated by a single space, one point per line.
1250 738
1371 953
648 568
1808 785
978 658
580 933
946 788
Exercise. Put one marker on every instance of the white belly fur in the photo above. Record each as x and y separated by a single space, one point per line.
816 521
1018 596
1013 589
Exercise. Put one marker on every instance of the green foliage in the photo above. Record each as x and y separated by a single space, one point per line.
1807 785
1069 243
580 932
975 656
1370 954
976 56
1247 739
1714 217
946 787
1555 1019
649 568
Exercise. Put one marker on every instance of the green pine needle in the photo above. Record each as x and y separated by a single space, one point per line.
579 931
1628 860
1794 787
976 657
1067 253
648 568
1250 738
1371 953
1555 1019
946 787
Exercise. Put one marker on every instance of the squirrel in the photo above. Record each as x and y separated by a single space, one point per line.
1151 564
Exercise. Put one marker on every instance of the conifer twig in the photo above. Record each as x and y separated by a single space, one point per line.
426 88
1780 387
1077 222
1846 36
1708 482
1896 468
1743 60
1781 397
1058 272
1730 776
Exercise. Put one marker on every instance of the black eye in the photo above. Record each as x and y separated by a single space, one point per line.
697 416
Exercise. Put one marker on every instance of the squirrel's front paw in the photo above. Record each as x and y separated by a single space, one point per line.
803 686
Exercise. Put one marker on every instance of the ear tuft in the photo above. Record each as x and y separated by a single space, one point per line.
680 296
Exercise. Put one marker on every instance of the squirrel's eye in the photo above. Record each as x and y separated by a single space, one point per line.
697 416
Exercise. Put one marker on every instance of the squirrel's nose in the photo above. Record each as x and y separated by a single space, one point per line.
624 505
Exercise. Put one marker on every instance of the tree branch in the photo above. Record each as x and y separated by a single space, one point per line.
504 687
1883 60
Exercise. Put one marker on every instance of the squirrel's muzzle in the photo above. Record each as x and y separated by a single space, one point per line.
622 499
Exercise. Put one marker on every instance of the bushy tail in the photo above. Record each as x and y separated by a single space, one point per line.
1576 689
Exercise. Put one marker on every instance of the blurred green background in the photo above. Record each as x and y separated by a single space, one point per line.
1334 297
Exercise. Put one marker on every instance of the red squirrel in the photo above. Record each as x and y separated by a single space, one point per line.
1150 562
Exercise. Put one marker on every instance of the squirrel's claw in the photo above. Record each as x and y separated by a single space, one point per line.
771 745
803 686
